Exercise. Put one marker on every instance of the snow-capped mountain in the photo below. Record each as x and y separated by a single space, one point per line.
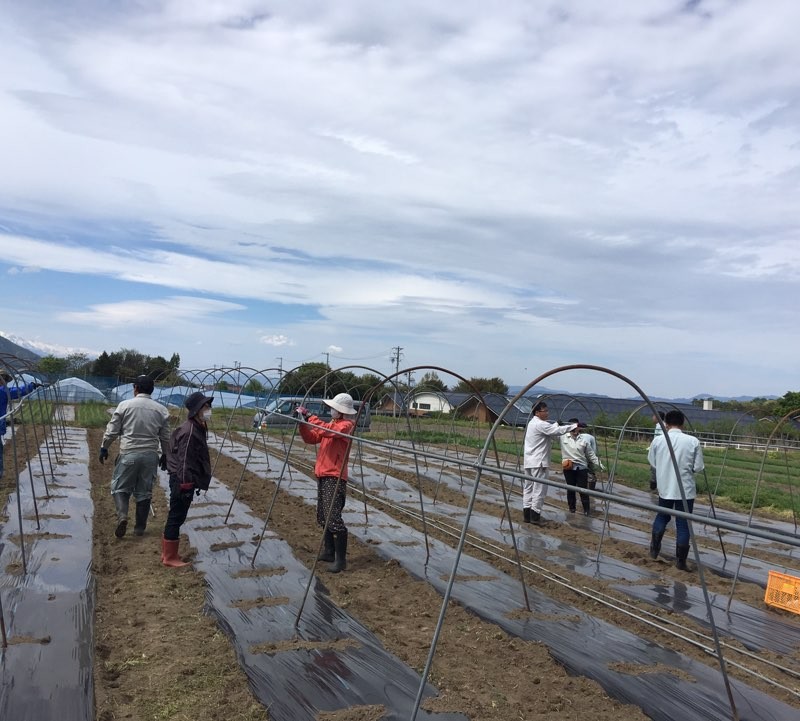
40 348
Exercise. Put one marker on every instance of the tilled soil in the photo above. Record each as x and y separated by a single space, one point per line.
159 657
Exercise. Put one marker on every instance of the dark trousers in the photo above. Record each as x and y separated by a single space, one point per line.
577 478
681 524
327 495
179 502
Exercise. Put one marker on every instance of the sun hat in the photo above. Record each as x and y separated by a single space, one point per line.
342 403
195 403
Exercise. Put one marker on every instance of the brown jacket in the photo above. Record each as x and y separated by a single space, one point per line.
188 460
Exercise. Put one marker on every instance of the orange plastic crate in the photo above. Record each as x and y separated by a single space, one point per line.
783 591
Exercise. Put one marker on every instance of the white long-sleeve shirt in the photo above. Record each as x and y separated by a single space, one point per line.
689 456
538 440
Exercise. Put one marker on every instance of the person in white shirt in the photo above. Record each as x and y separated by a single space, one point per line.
689 457
656 433
536 460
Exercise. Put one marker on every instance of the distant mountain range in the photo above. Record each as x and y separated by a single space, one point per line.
39 348
542 390
9 347
31 351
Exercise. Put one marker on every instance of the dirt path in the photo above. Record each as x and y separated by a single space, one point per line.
157 656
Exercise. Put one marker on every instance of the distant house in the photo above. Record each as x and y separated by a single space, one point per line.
390 404
424 402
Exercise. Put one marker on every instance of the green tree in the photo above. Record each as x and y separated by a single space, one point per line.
103 366
484 385
52 366
254 387
432 382
78 364
222 385
298 381
790 401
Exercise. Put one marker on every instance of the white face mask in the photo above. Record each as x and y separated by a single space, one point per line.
206 415
335 414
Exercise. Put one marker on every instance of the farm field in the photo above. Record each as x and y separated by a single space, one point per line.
160 654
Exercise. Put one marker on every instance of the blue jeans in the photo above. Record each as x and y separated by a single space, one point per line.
681 524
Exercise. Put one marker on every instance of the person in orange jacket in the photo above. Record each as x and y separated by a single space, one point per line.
331 472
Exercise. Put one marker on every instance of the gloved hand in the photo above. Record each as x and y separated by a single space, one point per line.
162 462
302 411
103 455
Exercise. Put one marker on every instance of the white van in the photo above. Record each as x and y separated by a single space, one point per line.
280 412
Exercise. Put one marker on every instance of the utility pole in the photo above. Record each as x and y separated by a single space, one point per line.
328 367
395 358
280 364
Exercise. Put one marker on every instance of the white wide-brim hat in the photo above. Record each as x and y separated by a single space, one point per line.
342 403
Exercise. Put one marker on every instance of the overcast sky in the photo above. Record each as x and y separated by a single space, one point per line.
497 188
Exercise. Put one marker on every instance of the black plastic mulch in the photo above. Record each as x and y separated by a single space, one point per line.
665 684
329 661
46 671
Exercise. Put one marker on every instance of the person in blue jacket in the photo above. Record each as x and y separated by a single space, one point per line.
7 394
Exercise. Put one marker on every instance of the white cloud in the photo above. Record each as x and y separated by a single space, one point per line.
469 175
165 312
276 340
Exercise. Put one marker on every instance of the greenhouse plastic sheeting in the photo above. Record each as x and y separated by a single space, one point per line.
46 671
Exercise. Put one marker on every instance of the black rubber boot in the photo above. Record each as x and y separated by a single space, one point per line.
587 508
121 501
328 550
536 517
681 554
526 515
655 544
142 512
340 545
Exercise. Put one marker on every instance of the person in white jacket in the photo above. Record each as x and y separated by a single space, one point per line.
536 460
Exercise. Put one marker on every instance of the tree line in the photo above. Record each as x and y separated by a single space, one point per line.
759 407
123 365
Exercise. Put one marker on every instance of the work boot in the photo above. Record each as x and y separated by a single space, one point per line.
169 554
142 512
340 545
328 550
536 517
681 554
121 501
655 544
526 515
